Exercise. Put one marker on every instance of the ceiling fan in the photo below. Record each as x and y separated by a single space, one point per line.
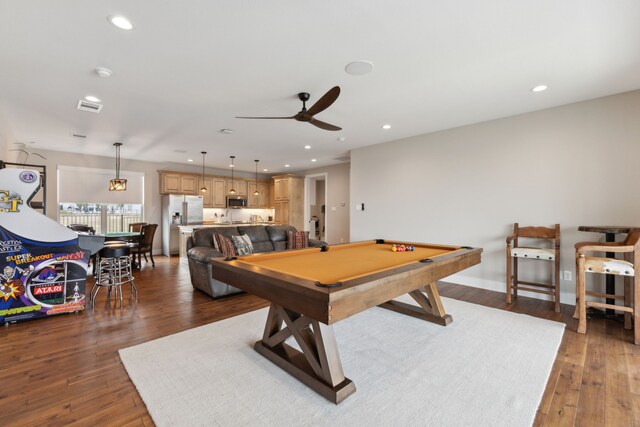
307 115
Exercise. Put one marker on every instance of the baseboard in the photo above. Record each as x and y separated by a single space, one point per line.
566 297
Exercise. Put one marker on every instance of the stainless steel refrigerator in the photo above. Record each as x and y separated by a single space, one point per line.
178 210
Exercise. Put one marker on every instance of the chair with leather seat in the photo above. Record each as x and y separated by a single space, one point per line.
620 267
518 250
135 227
145 243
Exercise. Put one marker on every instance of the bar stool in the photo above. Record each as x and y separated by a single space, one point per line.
114 270
626 268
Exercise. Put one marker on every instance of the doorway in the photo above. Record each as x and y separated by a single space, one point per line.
315 190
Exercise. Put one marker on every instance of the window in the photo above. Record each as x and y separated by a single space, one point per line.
84 198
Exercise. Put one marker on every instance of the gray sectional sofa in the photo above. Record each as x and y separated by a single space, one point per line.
200 248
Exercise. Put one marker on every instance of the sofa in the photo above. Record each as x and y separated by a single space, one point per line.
200 249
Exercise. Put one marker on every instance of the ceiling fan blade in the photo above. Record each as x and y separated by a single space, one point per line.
323 125
324 102
292 117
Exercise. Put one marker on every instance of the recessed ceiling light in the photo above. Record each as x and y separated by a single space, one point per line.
358 68
314 160
265 170
539 88
103 72
342 139
226 131
121 22
307 147
189 160
231 166
386 127
286 166
92 98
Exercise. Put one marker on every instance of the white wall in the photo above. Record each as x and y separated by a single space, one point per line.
573 165
337 204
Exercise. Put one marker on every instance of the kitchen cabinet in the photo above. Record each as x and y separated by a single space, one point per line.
207 198
219 192
184 236
239 185
262 199
289 200
178 183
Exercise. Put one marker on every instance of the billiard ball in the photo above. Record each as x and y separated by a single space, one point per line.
393 248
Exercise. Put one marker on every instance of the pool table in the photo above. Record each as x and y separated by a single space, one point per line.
311 289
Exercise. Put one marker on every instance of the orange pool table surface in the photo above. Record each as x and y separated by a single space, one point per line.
332 284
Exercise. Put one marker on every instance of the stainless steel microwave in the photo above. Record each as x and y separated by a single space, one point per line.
236 202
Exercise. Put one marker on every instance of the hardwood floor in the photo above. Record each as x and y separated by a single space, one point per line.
66 369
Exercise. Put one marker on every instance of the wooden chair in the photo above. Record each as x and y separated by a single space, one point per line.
145 243
515 251
620 267
135 227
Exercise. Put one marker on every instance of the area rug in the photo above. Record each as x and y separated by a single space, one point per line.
487 368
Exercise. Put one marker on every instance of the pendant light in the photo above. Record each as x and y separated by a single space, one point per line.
203 189
232 190
256 193
117 184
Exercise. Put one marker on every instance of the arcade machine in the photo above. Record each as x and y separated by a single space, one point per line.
42 267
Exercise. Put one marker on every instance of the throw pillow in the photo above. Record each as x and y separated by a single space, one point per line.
243 244
297 239
226 246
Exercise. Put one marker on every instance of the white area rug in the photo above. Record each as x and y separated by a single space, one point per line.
487 368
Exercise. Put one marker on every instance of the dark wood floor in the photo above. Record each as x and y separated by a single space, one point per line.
66 370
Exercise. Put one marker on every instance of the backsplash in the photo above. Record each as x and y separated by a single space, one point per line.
226 215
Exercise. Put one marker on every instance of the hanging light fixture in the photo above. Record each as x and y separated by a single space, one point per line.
256 193
232 190
203 189
118 184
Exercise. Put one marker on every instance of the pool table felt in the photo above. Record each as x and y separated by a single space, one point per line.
341 262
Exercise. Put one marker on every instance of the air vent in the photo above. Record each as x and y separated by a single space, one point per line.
85 105
77 135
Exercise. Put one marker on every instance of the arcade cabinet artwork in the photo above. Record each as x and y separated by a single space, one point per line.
42 268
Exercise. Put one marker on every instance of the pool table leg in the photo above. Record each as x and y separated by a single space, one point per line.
431 308
318 365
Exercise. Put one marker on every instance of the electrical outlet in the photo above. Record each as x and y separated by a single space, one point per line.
567 275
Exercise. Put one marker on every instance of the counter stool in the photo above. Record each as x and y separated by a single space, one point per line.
516 251
114 270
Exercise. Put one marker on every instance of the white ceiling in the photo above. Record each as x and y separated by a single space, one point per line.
189 67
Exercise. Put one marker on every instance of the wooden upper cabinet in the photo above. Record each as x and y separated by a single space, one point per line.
240 185
219 192
207 198
262 199
177 183
281 186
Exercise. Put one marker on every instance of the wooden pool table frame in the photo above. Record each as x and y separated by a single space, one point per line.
306 311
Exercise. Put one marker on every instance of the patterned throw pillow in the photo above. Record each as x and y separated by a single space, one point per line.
225 246
297 239
243 244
